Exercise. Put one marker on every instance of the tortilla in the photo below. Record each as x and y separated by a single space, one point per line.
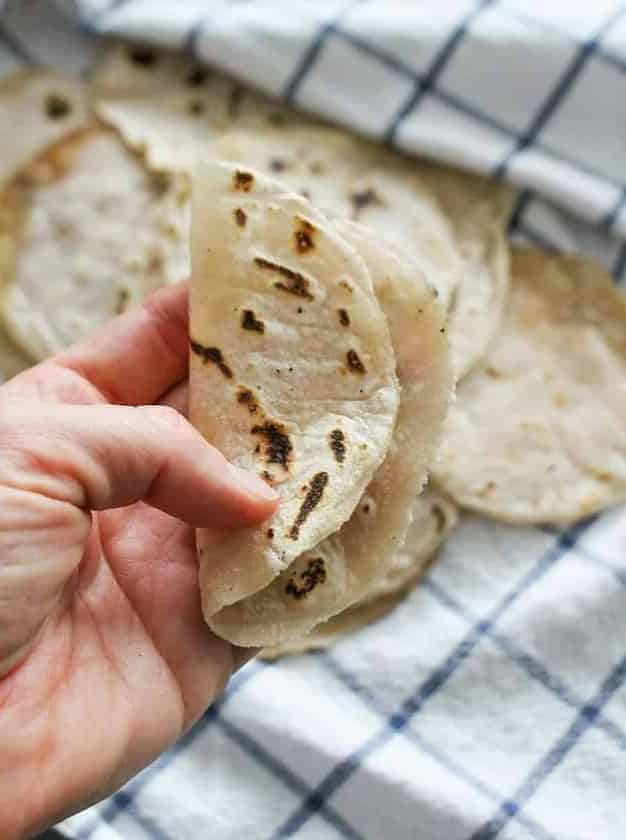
105 229
334 574
434 516
169 107
478 210
292 372
351 178
40 107
537 434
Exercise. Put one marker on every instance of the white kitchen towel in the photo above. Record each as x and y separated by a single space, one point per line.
492 703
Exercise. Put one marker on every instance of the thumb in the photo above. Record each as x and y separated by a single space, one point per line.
104 456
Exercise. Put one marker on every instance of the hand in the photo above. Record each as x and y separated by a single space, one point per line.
105 659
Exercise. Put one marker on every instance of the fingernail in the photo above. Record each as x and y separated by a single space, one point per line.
253 485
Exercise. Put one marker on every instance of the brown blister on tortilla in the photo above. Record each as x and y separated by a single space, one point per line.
314 574
143 56
278 445
337 441
211 354
123 296
249 321
56 106
197 76
160 182
364 198
240 217
196 107
277 165
344 318
304 236
247 398
354 362
296 284
243 180
311 501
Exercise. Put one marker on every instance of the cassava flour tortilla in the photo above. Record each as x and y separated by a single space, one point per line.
478 210
335 573
538 433
86 231
347 177
292 372
37 108
170 108
434 516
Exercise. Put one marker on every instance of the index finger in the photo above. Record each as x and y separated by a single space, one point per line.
139 356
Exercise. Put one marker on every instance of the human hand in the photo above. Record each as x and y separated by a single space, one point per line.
105 659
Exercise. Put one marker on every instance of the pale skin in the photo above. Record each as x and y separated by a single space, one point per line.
105 659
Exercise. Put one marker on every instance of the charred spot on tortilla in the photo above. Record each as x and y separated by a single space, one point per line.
311 501
366 508
196 107
305 194
278 445
211 354
247 398
243 180
354 362
160 183
142 56
440 518
316 168
121 303
364 198
278 165
344 318
240 217
494 373
314 574
338 445
296 284
267 477
304 236
250 322
197 76
345 285
56 106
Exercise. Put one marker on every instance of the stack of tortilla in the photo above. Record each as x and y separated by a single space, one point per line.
362 335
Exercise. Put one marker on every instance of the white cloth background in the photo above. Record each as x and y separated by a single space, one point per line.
492 703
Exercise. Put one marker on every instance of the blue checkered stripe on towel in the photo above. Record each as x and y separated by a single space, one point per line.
492 703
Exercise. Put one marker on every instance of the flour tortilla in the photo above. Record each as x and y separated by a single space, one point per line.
169 107
537 434
37 107
351 178
478 210
434 516
105 229
354 559
292 371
